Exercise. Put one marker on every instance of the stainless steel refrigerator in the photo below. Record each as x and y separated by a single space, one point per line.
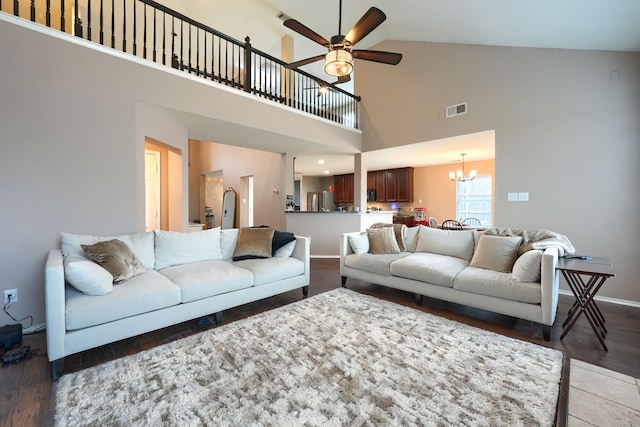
320 201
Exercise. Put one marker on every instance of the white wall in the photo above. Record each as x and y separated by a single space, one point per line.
567 131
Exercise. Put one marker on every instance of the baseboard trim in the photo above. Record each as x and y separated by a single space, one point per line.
606 299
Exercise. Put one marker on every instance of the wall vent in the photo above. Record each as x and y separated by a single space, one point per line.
456 110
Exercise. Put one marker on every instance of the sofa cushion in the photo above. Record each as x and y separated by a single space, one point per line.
146 292
87 276
496 284
182 247
527 267
228 241
382 241
377 264
286 250
142 244
254 243
268 270
428 267
458 244
115 257
411 239
204 279
496 252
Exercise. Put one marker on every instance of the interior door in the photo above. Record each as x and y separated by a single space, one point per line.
152 190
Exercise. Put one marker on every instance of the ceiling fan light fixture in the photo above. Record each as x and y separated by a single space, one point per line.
338 63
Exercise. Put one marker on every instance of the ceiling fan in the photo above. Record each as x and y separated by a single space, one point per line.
339 59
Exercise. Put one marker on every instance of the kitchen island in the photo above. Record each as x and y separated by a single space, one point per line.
325 228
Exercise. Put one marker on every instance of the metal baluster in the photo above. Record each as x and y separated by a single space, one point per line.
33 10
102 22
197 51
181 61
62 21
154 34
226 62
88 19
144 31
124 26
205 55
113 25
189 48
164 39
48 13
219 59
135 28
16 8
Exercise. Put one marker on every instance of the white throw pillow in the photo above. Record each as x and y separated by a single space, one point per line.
286 250
359 243
411 239
87 276
527 267
458 244
141 244
183 247
228 241
496 253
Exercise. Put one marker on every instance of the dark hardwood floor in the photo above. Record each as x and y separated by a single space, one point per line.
27 394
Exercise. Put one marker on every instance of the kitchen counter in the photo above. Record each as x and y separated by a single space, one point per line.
325 228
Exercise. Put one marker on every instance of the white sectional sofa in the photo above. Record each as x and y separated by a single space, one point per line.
175 277
512 272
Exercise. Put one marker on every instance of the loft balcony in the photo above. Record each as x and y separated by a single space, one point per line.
151 31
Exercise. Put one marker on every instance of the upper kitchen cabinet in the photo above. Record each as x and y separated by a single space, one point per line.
343 187
404 185
393 185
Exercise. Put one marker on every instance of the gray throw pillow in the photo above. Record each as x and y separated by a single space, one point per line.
115 257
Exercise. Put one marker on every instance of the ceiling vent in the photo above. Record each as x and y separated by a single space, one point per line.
456 110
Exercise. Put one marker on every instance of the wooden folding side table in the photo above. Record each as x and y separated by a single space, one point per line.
585 278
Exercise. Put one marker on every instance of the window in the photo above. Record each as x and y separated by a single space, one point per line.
473 199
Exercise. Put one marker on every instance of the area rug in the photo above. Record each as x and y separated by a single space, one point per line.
336 359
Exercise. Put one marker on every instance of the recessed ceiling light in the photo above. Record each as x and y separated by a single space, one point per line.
326 172
321 162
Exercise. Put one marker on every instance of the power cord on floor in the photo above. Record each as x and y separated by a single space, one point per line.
6 306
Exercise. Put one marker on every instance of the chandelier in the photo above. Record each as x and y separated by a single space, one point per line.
338 63
459 174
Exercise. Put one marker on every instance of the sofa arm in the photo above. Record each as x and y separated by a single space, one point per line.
549 285
345 247
302 252
54 292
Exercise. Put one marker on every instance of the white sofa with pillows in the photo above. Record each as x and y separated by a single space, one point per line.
512 272
101 289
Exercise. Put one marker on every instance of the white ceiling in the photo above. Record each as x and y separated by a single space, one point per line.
563 24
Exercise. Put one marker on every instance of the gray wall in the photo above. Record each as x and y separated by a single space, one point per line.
567 127
73 121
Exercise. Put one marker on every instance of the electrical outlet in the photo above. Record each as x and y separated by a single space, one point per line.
13 293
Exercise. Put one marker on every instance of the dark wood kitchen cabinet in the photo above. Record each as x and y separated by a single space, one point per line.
392 185
343 188
404 185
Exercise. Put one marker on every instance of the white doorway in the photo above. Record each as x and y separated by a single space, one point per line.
152 189
246 201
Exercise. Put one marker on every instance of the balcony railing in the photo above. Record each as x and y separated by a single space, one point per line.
154 32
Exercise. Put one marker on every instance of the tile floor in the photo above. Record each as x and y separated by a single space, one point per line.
600 397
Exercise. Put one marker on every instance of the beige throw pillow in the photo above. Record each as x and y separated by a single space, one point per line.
399 230
115 257
527 267
253 243
382 241
496 253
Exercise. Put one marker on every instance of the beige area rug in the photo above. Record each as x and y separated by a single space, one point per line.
336 359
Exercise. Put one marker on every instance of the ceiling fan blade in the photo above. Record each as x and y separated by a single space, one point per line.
305 61
305 31
391 58
369 21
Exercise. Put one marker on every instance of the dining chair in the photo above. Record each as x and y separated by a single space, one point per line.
471 222
432 222
451 224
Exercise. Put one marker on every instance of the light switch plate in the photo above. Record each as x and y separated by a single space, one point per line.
523 197
512 197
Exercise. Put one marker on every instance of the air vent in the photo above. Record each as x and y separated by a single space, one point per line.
282 16
456 110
